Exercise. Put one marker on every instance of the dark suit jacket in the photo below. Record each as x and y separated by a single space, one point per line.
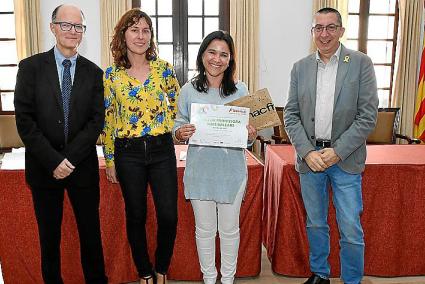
39 119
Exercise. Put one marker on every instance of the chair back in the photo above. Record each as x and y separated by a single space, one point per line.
279 133
386 127
9 137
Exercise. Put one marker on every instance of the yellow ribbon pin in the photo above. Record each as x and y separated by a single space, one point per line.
347 59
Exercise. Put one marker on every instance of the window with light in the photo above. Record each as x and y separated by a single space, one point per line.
8 57
180 26
372 28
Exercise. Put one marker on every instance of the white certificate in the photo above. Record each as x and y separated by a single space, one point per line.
218 125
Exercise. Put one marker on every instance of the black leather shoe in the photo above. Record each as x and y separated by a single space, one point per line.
316 279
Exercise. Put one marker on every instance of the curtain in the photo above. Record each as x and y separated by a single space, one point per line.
27 26
340 5
244 30
407 61
110 12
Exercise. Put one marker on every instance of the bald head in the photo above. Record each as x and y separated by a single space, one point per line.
68 28
65 8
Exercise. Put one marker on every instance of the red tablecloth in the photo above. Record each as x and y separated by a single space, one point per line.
19 245
393 218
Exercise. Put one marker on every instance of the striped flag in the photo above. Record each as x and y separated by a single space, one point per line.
419 127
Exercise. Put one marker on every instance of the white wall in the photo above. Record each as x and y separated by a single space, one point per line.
284 39
90 46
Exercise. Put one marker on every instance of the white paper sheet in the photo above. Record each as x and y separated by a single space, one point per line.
18 150
182 156
218 125
99 151
13 161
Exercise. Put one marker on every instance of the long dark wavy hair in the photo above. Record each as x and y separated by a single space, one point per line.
118 45
200 81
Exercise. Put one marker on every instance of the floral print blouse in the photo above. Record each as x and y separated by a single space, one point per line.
134 108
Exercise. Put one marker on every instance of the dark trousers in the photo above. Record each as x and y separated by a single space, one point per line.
139 161
48 205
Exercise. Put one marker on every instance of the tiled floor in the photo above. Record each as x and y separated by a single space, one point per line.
268 277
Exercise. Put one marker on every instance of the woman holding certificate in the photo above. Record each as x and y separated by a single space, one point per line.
215 177
140 102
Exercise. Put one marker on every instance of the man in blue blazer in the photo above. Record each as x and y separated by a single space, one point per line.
59 116
331 109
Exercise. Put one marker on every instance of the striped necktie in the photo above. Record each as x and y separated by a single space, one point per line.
66 93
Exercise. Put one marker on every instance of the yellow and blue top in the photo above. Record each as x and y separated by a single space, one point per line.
134 108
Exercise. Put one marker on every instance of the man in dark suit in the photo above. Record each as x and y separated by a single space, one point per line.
331 109
59 115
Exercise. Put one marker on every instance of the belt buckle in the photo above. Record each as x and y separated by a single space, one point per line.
323 143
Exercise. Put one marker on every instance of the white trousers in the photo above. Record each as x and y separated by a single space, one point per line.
206 215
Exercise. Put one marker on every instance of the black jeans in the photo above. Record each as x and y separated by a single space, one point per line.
139 161
48 206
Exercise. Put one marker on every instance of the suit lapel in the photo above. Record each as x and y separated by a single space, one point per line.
52 75
312 76
343 65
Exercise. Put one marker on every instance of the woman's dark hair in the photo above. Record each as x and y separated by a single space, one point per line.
200 81
118 45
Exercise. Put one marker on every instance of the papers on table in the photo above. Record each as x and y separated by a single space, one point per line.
18 150
13 161
99 151
182 155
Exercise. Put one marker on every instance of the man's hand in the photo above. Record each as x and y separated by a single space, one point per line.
111 174
315 162
64 169
329 157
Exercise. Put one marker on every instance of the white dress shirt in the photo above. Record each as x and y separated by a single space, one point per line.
325 92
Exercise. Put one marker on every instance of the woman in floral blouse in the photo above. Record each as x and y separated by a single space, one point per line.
140 101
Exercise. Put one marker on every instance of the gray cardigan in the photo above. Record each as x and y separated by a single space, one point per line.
212 173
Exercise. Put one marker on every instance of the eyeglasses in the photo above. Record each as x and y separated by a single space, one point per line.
66 27
329 28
